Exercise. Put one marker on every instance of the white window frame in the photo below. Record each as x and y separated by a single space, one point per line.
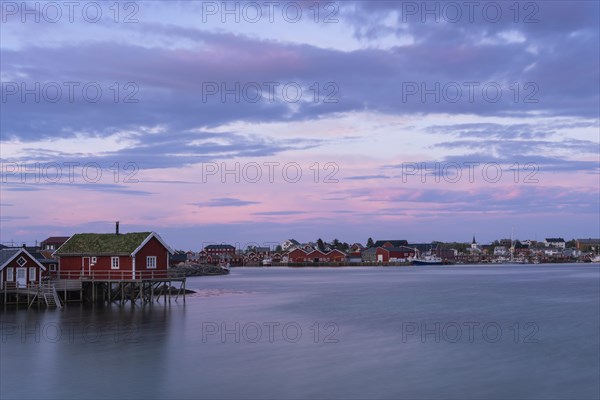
10 274
53 267
94 260
21 261
113 264
32 274
150 262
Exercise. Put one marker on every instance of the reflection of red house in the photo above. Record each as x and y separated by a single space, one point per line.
387 253
18 268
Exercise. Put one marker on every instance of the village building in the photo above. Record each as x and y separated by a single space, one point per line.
555 242
18 268
387 254
53 242
113 254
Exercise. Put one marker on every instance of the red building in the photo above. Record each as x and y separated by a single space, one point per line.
336 256
53 242
387 253
390 243
297 256
316 256
18 268
110 255
216 253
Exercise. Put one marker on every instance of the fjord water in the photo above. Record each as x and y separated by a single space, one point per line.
454 332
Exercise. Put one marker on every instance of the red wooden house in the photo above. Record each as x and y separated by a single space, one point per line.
53 242
113 255
393 254
18 268
336 255
297 256
316 256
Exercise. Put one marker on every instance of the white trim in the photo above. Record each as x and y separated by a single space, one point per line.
10 274
132 267
150 236
89 265
24 271
59 247
31 269
148 259
21 250
112 263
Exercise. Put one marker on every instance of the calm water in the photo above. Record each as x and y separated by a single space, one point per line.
404 333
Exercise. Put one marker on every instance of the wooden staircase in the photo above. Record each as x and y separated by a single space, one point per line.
50 296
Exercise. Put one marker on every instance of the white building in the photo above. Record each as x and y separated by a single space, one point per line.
555 242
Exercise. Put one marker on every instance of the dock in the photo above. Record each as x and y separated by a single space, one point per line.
95 287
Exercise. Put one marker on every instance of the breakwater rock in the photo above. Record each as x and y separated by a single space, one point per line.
193 269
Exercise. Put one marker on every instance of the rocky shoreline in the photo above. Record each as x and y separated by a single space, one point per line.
194 269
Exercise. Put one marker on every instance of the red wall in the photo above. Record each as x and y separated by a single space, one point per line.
103 263
297 255
152 248
336 256
316 254
386 254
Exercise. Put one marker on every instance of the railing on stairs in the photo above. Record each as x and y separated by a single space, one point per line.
50 295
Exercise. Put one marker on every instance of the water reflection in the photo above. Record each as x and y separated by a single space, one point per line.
323 333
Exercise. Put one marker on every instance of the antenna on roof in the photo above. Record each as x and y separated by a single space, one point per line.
117 228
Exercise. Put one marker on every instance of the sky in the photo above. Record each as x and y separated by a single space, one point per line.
255 122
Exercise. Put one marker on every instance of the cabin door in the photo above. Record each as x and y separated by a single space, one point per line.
379 257
86 266
21 277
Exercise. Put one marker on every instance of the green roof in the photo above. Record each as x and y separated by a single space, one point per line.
103 243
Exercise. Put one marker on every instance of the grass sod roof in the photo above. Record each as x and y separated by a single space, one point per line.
103 243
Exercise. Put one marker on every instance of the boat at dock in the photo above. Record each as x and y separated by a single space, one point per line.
427 260
225 266
433 261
